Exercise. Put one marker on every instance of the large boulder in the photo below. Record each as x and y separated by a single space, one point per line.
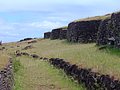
84 30
47 35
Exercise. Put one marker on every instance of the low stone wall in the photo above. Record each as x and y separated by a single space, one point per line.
47 35
91 80
63 34
6 77
83 31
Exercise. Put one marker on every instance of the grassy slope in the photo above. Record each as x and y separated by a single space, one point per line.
85 55
39 75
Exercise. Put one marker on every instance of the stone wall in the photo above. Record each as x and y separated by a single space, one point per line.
112 31
59 33
103 32
47 35
85 76
6 77
55 34
83 31
63 34
91 80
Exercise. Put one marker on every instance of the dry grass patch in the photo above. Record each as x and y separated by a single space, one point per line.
3 60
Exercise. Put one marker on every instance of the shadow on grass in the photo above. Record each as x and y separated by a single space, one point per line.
110 49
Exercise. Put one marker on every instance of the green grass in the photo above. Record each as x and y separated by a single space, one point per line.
105 61
18 74
84 55
39 75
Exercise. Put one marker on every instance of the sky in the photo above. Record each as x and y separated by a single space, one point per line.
31 18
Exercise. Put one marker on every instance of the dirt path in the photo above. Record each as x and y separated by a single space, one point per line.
39 75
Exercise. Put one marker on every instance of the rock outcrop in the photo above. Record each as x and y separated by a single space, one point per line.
111 29
47 35
84 30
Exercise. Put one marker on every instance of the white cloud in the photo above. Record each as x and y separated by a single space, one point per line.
18 29
45 24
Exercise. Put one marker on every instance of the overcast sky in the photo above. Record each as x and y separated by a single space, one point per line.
31 18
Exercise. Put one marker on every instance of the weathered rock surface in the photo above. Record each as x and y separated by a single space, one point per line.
6 77
55 34
59 33
63 34
84 30
111 31
103 32
47 35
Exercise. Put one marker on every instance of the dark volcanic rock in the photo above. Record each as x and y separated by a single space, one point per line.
91 80
27 47
114 29
109 31
47 35
26 39
63 34
55 34
59 33
83 30
7 77
103 32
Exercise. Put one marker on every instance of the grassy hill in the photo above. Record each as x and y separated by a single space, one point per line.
41 73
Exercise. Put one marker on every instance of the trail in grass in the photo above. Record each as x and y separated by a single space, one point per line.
39 75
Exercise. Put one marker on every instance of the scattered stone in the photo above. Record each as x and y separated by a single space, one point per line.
25 53
26 39
45 58
35 56
28 47
33 41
